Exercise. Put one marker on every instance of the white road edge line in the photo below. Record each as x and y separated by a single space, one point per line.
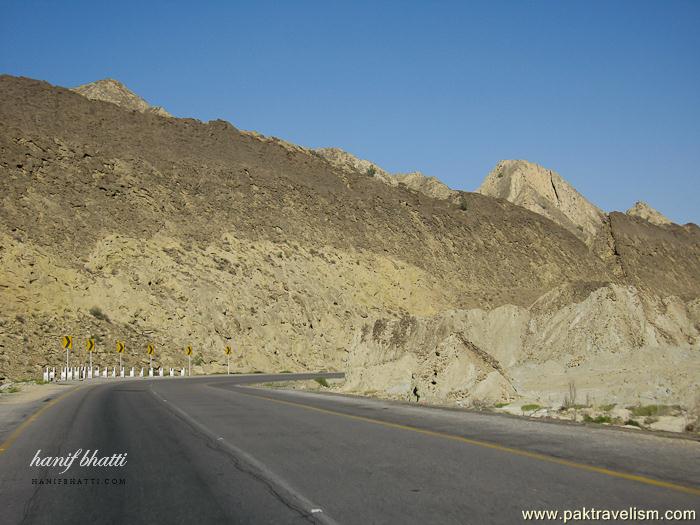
283 487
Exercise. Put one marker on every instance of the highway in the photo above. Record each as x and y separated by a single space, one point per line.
214 450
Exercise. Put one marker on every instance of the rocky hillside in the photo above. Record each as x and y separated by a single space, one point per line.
120 224
114 92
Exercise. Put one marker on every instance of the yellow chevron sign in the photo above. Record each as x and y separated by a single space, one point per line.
188 350
150 349
90 345
120 347
67 342
228 350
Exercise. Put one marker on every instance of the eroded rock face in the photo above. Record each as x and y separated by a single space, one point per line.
544 192
185 232
646 212
618 345
113 91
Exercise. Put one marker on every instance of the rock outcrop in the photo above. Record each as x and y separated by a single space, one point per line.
426 185
544 192
617 344
415 180
114 92
646 212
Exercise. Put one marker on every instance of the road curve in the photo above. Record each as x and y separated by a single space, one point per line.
212 450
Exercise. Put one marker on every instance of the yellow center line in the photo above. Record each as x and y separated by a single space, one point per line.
493 446
16 432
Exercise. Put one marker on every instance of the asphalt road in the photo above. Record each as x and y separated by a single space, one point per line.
211 450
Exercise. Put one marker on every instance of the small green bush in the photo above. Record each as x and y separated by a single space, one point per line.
13 390
371 171
598 419
501 405
607 408
97 313
653 410
462 203
530 407
633 423
321 381
643 410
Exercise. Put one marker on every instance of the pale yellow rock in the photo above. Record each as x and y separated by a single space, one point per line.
415 180
646 212
544 192
295 310
669 423
113 91
616 345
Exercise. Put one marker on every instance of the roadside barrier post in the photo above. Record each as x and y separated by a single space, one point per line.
188 351
90 348
67 343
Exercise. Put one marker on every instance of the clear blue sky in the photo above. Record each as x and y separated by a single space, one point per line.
606 93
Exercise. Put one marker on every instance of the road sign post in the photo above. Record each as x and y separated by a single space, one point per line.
67 343
150 349
228 359
188 351
90 349
120 351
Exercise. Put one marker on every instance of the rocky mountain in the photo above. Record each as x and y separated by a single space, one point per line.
120 225
646 212
114 92
544 192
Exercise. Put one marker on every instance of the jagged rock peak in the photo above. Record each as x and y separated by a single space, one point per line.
428 185
545 192
644 211
348 161
113 91
415 180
